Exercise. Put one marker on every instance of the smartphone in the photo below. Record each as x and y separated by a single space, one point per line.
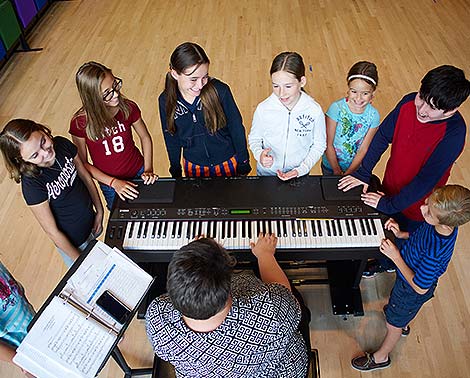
113 307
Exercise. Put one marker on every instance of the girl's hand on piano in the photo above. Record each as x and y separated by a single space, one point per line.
348 182
288 175
372 199
125 189
266 245
149 177
389 249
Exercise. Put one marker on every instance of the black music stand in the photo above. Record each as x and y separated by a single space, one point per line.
114 351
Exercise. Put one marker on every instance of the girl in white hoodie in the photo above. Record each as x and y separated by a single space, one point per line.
288 134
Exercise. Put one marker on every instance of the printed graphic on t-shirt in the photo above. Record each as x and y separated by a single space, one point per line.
64 180
306 123
6 299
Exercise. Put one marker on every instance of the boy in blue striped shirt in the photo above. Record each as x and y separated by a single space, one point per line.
423 258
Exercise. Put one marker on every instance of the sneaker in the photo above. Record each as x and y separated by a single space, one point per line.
372 268
405 331
367 363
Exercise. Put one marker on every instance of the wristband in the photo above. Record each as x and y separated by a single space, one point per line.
111 182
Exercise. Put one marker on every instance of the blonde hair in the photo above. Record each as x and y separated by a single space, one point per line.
452 203
98 118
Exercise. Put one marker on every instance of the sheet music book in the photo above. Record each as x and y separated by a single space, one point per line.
73 336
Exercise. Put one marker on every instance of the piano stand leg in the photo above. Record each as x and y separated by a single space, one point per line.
344 277
126 369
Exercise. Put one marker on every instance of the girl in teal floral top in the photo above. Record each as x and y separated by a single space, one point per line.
351 122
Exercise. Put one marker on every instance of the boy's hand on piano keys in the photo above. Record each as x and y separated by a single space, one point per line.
348 182
389 249
265 245
392 225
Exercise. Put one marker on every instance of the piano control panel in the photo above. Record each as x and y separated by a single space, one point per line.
241 213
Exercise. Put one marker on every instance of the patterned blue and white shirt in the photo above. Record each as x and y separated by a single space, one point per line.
258 338
15 311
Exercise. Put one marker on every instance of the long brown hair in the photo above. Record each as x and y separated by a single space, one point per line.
13 135
88 79
186 55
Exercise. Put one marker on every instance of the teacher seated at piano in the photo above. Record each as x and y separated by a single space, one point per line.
213 323
200 119
55 185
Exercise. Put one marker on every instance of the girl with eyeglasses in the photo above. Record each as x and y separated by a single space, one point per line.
200 119
103 127
55 184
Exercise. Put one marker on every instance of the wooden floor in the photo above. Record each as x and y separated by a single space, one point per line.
135 38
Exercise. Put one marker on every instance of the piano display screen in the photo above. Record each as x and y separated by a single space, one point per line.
240 212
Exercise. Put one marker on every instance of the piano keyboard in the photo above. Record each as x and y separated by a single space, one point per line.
171 235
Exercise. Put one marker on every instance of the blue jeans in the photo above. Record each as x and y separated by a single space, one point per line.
68 261
110 194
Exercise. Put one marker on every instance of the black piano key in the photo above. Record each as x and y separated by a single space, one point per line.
374 229
328 230
158 229
333 227
354 228
153 230
119 232
229 229
369 230
299 227
243 229
363 228
173 229
348 228
194 230
293 228
340 228
139 229
144 233
188 230
259 229
234 226
270 228
248 225
131 230
279 232
314 230
304 226
165 229
179 229
222 229
319 229
284 228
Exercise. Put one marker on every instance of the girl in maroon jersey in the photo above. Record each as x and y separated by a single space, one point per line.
103 127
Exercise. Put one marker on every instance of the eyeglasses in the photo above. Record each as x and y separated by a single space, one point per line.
109 94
